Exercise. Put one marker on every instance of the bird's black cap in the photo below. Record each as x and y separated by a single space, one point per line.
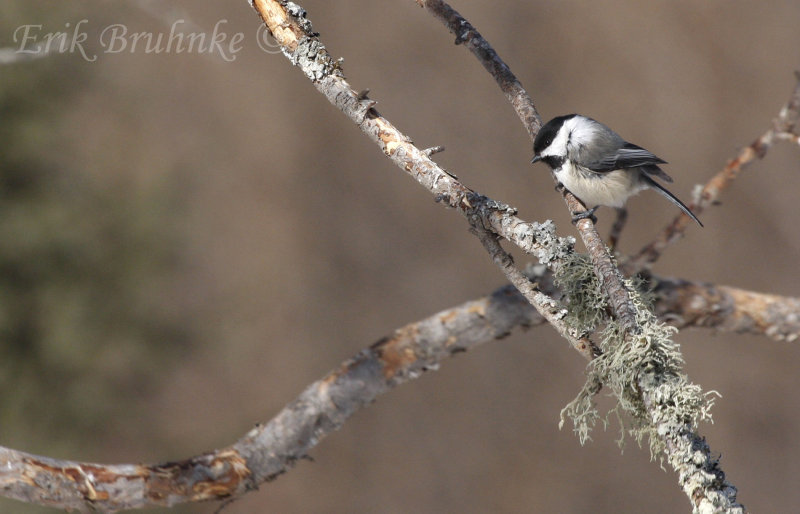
547 133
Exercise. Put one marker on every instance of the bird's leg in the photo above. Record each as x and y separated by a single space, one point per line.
588 213
577 216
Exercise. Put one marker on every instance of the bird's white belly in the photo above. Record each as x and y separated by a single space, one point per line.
612 188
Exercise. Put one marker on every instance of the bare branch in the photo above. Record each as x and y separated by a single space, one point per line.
467 35
617 227
268 450
728 309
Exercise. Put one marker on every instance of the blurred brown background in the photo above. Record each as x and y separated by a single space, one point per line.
186 243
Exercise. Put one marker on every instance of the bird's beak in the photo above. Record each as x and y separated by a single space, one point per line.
536 158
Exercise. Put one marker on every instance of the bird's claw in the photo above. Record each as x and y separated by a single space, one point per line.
587 214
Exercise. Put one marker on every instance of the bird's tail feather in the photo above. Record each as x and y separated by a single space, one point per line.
669 196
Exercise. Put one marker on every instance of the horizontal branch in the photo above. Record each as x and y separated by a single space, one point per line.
268 450
727 309
271 449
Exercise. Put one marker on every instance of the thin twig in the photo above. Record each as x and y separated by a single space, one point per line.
783 129
617 227
467 35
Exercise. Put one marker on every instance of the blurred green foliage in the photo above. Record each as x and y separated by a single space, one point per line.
85 265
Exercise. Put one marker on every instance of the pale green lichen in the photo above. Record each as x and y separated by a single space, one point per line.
643 371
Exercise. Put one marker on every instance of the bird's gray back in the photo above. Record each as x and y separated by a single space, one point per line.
592 143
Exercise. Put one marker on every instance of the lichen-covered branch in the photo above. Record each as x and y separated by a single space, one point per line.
724 309
639 341
552 310
271 449
784 128
618 295
288 24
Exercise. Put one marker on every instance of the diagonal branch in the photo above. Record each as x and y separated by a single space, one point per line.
288 24
554 312
269 450
469 36
700 476
523 105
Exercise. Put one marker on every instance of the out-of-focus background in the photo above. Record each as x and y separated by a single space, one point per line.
186 242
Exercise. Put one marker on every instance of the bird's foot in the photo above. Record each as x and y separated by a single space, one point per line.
588 213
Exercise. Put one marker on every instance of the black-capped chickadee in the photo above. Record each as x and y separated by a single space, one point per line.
595 164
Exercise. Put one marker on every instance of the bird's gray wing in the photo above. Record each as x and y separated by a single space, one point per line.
630 156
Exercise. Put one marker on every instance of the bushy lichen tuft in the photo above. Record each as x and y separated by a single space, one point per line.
583 292
643 371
